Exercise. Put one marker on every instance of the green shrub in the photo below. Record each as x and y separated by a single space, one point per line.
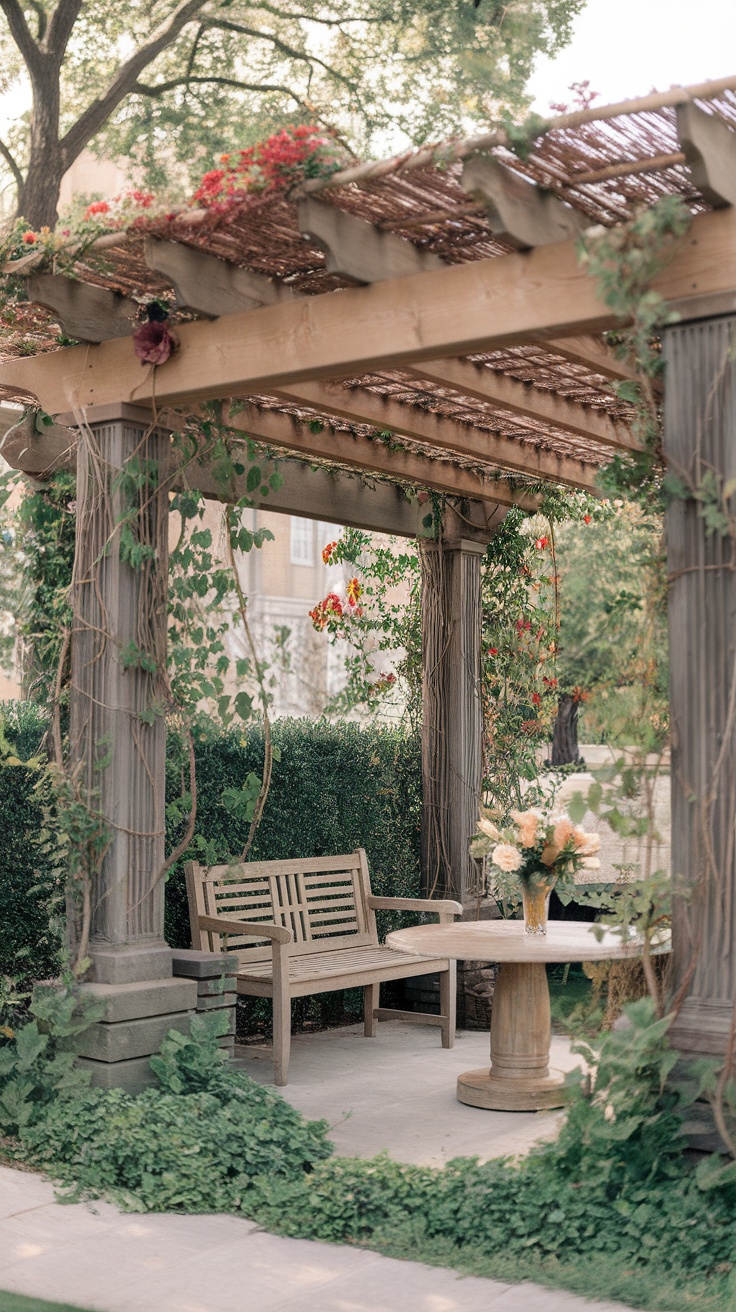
29 941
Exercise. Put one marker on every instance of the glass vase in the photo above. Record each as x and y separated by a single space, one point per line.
535 894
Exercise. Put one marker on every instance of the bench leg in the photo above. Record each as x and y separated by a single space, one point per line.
448 999
371 997
281 1034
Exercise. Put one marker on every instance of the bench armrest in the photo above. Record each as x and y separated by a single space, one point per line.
445 908
254 928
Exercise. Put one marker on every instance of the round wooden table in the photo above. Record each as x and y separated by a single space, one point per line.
519 1078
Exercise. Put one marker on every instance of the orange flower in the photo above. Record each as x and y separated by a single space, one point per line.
327 552
354 591
29 237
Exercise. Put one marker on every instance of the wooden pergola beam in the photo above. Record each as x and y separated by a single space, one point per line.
458 310
40 454
709 147
519 211
451 435
593 354
375 456
476 380
208 285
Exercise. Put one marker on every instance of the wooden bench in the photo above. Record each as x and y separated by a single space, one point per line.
309 926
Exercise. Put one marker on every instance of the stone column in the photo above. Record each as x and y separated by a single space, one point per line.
117 749
700 443
452 724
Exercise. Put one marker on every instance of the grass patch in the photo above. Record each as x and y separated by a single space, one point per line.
19 1303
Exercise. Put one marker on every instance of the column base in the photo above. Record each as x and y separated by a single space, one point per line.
130 963
499 1093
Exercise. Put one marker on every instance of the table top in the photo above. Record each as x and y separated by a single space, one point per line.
506 940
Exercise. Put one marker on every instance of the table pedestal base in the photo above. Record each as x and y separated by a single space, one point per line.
519 1079
482 1088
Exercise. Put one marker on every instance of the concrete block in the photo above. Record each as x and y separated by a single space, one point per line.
211 988
216 1002
130 963
200 965
133 1075
129 1038
146 998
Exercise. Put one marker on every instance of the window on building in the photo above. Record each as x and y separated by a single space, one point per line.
302 542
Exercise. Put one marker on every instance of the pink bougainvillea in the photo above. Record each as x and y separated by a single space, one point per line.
281 161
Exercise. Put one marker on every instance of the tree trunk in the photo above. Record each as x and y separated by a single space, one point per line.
565 749
38 198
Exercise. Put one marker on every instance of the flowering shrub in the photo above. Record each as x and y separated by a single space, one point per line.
287 157
327 614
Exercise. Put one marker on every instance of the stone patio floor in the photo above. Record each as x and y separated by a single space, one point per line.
394 1093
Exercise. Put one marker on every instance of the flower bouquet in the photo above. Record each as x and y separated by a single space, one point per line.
535 851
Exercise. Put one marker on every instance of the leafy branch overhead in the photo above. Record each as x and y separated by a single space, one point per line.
165 86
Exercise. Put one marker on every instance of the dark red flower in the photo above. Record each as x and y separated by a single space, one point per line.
153 343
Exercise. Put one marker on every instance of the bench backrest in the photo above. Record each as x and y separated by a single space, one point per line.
322 900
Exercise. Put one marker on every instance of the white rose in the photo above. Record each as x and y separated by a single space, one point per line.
506 857
489 829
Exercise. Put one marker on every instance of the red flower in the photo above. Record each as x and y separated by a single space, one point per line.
97 207
29 237
587 519
541 543
493 651
551 683
353 592
153 343
536 699
327 552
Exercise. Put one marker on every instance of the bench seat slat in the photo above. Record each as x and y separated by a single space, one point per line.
317 966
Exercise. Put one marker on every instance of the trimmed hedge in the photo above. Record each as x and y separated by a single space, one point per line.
28 943
335 788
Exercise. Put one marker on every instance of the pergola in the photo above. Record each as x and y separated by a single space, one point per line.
439 297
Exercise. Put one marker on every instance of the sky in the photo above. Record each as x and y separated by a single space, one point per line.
626 48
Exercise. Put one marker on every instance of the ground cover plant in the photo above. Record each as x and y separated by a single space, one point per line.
613 1207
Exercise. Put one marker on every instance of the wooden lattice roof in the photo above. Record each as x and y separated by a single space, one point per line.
551 398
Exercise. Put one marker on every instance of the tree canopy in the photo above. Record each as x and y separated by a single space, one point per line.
167 83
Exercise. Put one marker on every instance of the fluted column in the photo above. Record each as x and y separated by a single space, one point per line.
452 724
119 631
700 442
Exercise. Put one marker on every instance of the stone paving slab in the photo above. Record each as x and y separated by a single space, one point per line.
396 1093
96 1257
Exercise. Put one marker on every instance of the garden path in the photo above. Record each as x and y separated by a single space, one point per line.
96 1257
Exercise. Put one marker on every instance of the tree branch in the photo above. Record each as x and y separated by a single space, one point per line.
21 34
386 17
42 18
291 51
96 115
10 161
155 92
61 26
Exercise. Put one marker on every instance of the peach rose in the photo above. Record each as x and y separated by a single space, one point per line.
506 857
563 832
527 823
586 843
